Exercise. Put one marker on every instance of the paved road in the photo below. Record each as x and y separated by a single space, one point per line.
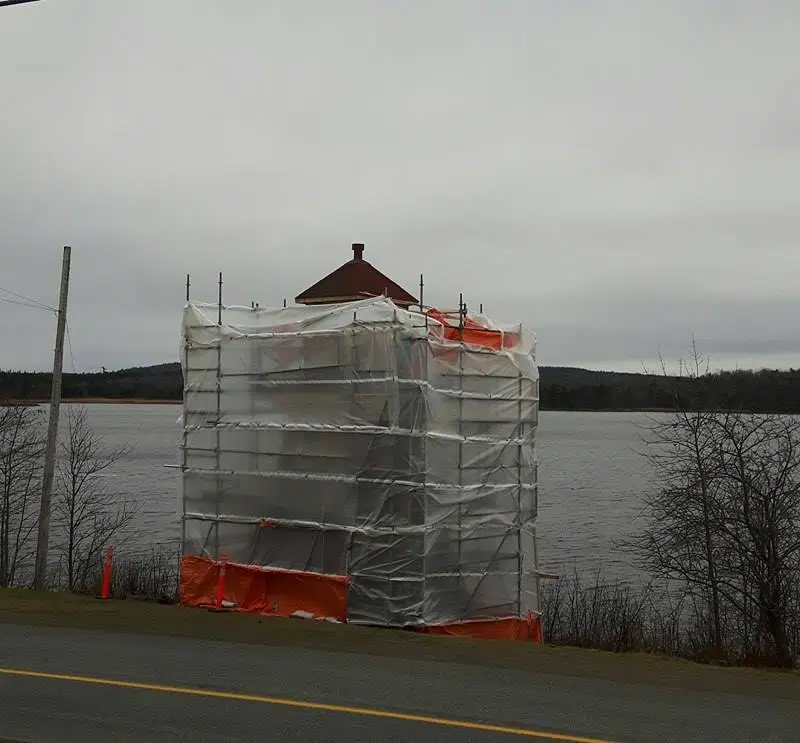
168 689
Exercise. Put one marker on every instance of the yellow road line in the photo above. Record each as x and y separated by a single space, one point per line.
299 704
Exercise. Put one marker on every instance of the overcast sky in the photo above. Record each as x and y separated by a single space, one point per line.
617 176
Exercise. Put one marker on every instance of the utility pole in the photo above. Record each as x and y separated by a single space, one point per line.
43 543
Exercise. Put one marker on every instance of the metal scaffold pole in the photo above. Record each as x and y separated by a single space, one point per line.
43 543
462 311
184 432
423 391
217 438
520 441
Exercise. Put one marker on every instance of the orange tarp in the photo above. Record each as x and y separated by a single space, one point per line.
473 333
259 590
272 591
505 628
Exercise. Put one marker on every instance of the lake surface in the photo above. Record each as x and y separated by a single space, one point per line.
591 481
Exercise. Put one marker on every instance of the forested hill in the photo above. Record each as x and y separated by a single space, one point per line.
562 388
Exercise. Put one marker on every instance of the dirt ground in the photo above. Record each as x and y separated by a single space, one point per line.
143 617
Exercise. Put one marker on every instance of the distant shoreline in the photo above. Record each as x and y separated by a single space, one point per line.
560 389
155 401
97 401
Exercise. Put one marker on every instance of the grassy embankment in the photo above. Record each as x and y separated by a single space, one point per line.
148 617
96 401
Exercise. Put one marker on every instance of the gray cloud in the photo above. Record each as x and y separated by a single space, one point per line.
616 177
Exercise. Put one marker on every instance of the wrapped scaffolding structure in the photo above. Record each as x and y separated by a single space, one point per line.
390 449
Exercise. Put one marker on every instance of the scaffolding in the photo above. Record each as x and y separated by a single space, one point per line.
391 447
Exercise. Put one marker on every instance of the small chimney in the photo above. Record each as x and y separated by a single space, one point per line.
358 251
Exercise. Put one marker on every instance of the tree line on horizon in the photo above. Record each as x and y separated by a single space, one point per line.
561 388
718 533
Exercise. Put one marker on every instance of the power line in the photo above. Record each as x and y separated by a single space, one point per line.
26 304
34 305
33 302
15 2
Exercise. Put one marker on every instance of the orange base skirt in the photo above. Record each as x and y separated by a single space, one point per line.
275 592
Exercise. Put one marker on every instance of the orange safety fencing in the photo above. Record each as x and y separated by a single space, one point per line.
258 590
473 333
253 589
505 628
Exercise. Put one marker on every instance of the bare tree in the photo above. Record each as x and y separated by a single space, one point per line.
21 449
725 519
87 515
678 540
759 523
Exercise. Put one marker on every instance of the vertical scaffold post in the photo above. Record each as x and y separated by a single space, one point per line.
218 420
257 350
184 432
423 391
520 439
422 300
461 322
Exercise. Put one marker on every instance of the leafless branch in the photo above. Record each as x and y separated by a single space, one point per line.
21 449
725 519
89 517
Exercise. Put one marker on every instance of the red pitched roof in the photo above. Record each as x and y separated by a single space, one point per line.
354 280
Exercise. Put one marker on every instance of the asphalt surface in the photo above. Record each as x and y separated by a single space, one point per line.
207 680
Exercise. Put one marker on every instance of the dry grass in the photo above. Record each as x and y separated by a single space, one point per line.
148 617
102 401
152 575
616 616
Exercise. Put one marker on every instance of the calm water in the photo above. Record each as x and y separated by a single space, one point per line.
591 480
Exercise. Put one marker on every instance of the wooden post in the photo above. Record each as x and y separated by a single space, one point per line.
40 576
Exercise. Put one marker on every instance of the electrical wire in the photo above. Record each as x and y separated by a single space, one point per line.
23 301
23 304
22 298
